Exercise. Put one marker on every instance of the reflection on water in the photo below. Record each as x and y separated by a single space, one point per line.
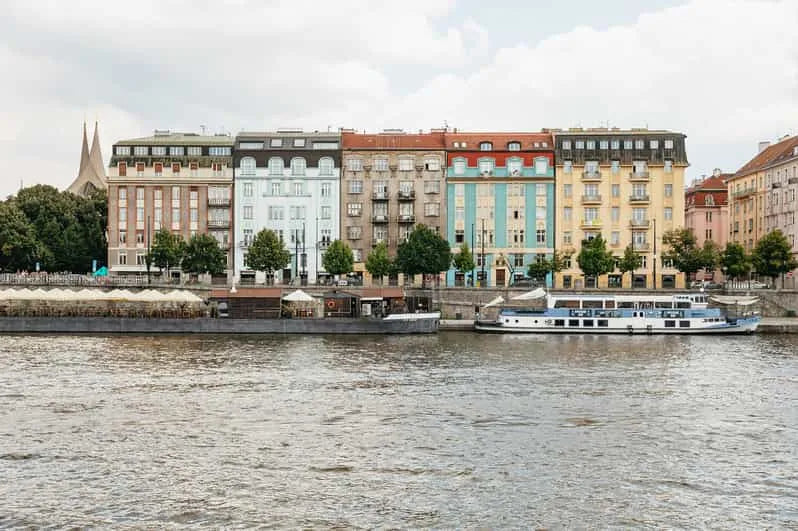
453 430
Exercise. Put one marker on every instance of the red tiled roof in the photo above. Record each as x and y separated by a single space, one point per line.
767 157
500 140
424 141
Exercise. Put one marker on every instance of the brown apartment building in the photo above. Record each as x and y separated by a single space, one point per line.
181 182
390 182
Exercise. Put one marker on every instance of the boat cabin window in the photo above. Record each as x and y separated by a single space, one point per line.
670 324
587 322
626 304
603 323
559 322
664 304
682 304
573 322
610 305
591 304
646 305
567 303
684 324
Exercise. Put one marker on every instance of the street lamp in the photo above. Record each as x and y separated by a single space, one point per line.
482 276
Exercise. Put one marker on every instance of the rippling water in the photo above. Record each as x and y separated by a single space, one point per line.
454 430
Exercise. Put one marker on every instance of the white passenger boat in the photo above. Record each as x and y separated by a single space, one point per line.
642 313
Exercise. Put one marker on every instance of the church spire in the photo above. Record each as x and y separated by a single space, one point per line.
95 155
91 174
84 152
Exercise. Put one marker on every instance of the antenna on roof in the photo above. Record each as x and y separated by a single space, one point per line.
202 128
445 125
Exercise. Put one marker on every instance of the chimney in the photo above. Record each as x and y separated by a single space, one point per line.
716 172
764 145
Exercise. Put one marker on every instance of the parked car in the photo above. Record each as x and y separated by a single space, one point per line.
705 284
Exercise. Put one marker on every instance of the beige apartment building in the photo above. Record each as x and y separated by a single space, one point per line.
181 182
628 186
390 182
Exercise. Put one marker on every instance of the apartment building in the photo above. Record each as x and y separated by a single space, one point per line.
626 185
181 182
706 213
287 181
390 182
500 200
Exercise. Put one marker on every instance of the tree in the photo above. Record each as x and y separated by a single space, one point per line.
18 245
540 268
202 255
464 260
267 253
594 259
423 252
630 261
734 261
378 263
772 255
167 250
338 260
685 254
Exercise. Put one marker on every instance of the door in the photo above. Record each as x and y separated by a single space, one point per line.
500 277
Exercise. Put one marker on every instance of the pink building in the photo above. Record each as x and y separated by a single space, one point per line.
706 212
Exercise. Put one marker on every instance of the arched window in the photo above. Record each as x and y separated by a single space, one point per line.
275 166
486 146
298 166
514 146
247 167
326 166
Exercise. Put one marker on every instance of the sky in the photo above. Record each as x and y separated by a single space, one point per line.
723 72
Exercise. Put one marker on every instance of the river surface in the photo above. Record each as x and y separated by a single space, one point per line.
450 431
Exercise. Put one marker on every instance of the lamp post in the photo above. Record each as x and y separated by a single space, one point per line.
482 280
473 271
148 259
654 221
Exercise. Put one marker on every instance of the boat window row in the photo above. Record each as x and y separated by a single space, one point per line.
585 323
630 305
672 324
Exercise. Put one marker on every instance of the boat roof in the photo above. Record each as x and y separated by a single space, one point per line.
627 298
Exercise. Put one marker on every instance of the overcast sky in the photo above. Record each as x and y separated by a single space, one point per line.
723 72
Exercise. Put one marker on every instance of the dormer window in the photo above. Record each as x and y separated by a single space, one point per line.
276 142
514 146
709 200
456 144
486 146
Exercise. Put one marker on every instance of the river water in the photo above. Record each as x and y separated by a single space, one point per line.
454 430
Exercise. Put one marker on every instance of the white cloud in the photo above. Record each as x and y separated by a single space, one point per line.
723 72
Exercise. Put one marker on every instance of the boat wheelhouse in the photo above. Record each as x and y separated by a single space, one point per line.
688 313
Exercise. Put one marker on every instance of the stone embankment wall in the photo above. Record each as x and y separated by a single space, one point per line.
459 303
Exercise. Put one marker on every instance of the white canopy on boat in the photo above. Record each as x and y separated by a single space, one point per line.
530 295
298 296
494 302
738 301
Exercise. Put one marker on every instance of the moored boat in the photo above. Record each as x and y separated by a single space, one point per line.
643 313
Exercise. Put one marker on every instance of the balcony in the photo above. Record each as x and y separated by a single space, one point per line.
218 223
407 218
792 180
591 223
324 244
745 192
775 185
641 175
591 199
591 175
639 223
639 198
380 196
219 202
379 218
407 195
378 241
641 246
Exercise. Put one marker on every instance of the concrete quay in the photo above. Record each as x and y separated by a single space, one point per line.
769 325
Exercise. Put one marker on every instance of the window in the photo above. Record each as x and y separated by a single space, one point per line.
298 189
158 169
567 213
381 164
248 166
355 187
486 146
459 213
668 166
615 238
668 213
354 164
708 234
541 166
354 209
247 189
276 188
122 258
326 189
140 151
176 151
669 144
432 164
591 144
604 144
459 236
298 166
276 142
485 166
354 233
326 212
615 213
567 190
566 144
175 168
219 151
299 142
122 237
432 209
668 190
139 169
326 166
654 144
567 237
195 151
325 145
248 212
541 236
459 167
122 151
616 190
514 146
158 151
567 166
405 164
432 187
579 144
275 166
514 167
122 167
640 144
627 144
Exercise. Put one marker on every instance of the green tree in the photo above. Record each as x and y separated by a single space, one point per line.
167 250
18 245
685 254
202 255
539 269
594 259
267 253
630 261
423 252
734 261
338 260
772 255
464 260
378 263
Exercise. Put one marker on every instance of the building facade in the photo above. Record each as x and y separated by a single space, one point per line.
181 182
287 181
626 185
390 182
500 201
706 213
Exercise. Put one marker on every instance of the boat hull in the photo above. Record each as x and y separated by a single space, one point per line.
740 326
411 324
